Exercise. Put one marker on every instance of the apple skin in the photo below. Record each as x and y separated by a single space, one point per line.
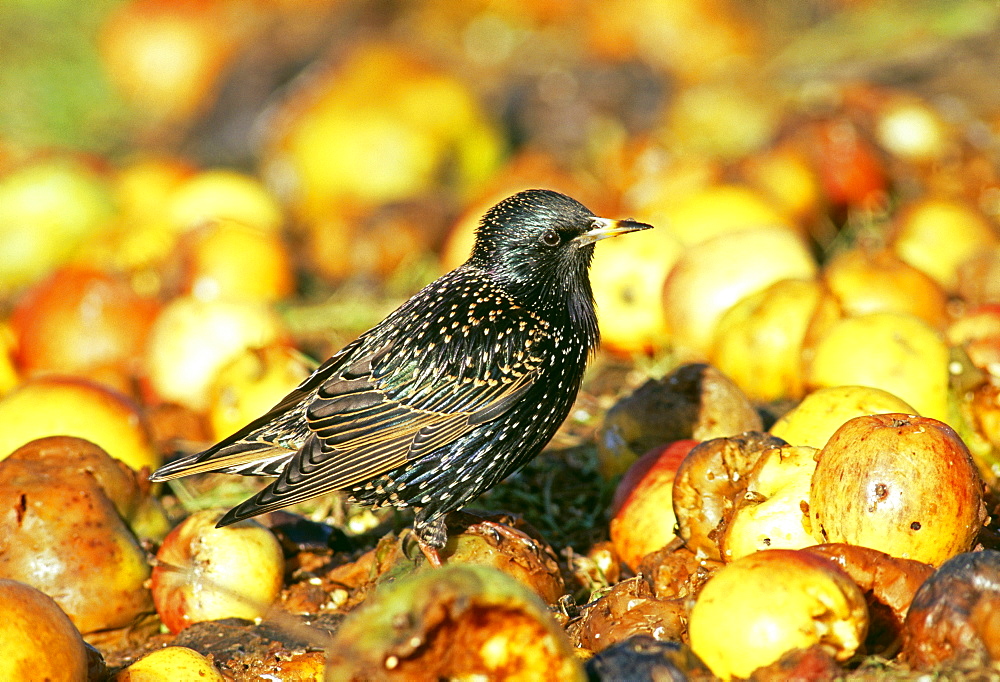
898 483
643 513
208 573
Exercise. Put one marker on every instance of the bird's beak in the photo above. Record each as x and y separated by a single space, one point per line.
604 228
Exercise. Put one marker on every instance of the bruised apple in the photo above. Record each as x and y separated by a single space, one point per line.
208 573
771 515
768 603
898 483
62 531
644 519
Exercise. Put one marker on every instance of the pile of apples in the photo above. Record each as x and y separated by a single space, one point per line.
805 486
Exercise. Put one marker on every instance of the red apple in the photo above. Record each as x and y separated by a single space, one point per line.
643 512
898 483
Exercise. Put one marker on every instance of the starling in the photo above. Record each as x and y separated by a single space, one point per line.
456 389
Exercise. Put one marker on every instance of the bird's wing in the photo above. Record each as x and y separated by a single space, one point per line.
369 426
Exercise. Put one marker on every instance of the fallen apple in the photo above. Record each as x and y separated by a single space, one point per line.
866 281
62 532
207 573
52 406
170 664
768 603
939 235
83 322
642 510
37 640
457 621
192 340
230 260
713 276
898 483
772 514
896 352
251 384
758 342
954 614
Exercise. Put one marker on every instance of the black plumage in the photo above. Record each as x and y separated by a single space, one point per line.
455 390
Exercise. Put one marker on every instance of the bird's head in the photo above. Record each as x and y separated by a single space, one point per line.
539 243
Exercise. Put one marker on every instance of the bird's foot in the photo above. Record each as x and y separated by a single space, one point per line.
431 537
430 552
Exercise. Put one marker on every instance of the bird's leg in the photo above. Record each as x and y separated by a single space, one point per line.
431 536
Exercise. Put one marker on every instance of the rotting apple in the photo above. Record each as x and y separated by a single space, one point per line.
694 401
457 621
708 484
898 483
955 615
759 607
62 532
208 573
772 514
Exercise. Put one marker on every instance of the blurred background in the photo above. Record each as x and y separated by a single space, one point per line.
200 199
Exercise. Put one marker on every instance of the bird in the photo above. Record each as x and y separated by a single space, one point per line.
452 392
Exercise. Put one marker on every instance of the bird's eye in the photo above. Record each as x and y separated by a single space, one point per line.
550 238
